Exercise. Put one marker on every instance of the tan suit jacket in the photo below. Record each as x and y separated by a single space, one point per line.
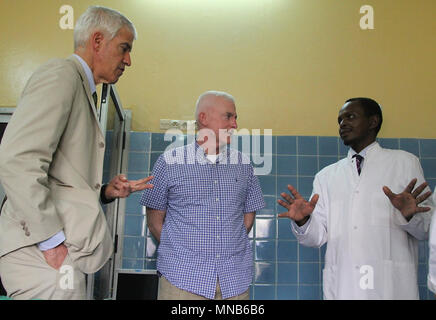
51 165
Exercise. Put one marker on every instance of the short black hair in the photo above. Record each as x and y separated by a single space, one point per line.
371 108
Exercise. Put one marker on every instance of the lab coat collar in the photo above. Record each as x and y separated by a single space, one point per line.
365 152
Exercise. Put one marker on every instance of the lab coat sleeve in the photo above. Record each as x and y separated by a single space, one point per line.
314 232
418 226
431 279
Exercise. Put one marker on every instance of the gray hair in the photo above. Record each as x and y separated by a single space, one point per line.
198 105
97 18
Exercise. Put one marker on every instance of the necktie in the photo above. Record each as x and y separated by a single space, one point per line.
94 96
359 159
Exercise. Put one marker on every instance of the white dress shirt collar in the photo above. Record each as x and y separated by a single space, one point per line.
88 73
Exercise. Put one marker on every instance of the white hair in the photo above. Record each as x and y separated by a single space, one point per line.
199 106
97 18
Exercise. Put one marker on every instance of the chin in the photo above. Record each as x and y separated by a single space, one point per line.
346 142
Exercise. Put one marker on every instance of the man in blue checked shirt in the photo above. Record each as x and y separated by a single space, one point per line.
202 208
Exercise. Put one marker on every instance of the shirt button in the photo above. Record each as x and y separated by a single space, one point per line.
216 181
217 255
355 227
101 145
27 233
218 218
97 186
217 199
23 223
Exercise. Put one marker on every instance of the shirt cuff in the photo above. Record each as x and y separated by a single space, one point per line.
52 242
303 228
103 198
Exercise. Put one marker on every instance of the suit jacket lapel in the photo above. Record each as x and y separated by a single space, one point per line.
87 90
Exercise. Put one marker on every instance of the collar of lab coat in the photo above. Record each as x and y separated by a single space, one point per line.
365 153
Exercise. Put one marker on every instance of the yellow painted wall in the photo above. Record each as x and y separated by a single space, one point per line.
289 63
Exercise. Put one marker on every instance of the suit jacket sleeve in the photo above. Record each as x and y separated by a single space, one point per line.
29 144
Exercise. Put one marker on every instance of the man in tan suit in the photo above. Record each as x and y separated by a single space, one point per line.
52 227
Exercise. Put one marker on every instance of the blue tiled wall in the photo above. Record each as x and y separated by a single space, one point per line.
283 268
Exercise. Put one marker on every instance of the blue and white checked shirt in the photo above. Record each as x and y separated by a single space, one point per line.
203 238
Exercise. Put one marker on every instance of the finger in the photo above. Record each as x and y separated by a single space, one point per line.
141 187
294 192
283 215
147 179
284 204
419 189
422 209
388 192
116 179
410 186
423 197
314 200
287 197
140 181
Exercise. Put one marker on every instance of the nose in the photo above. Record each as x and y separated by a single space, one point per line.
342 122
234 124
127 60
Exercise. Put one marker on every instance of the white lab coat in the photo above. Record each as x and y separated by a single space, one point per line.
431 279
372 251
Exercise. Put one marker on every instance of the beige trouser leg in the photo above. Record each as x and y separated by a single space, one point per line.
169 292
26 275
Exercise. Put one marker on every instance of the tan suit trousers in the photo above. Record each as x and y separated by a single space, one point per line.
26 275
167 291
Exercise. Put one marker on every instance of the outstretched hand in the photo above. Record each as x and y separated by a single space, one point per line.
120 187
407 201
298 208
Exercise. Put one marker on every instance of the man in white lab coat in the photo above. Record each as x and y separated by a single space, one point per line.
368 211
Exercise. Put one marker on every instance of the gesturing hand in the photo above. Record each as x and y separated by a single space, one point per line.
407 201
299 209
120 187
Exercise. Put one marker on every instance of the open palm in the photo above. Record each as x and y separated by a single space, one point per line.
298 208
407 201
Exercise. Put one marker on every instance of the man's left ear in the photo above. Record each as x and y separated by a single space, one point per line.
97 40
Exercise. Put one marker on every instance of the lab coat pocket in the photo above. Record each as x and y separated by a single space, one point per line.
399 279
329 281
